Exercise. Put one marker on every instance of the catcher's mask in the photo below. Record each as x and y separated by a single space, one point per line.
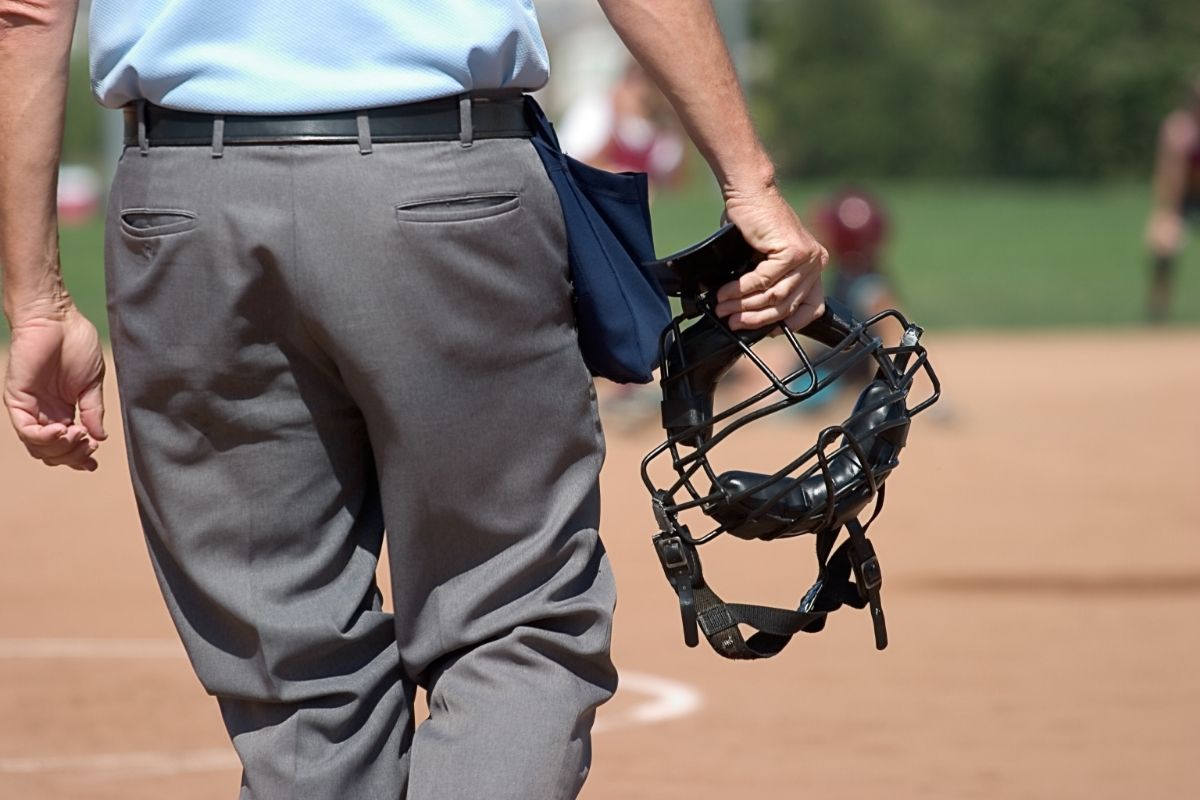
820 491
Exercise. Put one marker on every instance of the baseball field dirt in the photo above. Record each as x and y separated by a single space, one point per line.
1041 554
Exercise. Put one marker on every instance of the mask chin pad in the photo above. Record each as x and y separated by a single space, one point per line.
802 508
787 516
794 506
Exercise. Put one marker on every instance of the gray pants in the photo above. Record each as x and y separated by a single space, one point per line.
312 345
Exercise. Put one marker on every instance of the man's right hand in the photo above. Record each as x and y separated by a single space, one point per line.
55 367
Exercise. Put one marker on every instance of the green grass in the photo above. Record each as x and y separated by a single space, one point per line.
993 255
82 251
965 255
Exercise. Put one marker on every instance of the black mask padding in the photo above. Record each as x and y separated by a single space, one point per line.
802 508
708 353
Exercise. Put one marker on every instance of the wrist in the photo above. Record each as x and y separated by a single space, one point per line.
33 286
749 181
54 305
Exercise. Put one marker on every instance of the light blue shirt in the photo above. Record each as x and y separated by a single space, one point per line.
309 56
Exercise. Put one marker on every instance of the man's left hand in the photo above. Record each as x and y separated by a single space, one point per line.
786 285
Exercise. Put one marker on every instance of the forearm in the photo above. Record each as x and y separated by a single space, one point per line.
1169 181
680 46
35 43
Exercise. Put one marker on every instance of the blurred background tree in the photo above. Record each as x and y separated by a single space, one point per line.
931 88
969 88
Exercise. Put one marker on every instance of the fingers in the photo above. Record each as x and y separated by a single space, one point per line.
769 272
811 307
79 457
91 411
768 314
60 445
34 433
772 296
761 278
772 291
55 443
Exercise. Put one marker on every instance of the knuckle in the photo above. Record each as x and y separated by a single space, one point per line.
766 317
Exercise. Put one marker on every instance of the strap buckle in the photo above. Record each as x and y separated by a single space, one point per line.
868 578
682 569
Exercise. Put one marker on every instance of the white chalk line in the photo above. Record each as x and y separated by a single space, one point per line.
666 699
661 699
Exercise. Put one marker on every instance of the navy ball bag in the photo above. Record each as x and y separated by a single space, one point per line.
620 309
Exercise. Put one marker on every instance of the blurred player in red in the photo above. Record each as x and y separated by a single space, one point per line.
853 226
1176 196
630 129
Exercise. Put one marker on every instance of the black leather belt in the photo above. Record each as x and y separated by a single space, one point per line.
433 120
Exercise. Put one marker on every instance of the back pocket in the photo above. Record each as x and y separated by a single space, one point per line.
145 223
458 209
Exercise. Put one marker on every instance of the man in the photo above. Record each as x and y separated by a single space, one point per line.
314 339
1176 196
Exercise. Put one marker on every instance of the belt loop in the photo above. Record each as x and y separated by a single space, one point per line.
143 140
466 127
218 138
364 132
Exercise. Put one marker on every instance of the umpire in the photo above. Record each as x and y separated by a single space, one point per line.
339 303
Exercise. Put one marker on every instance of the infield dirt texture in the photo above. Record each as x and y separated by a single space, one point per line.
1042 587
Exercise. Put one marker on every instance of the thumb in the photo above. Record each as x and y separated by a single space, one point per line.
91 411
